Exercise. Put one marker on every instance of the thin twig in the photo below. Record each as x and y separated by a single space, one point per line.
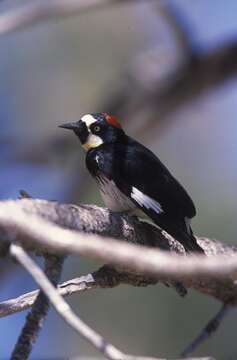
38 313
105 277
24 194
62 307
40 306
67 288
208 330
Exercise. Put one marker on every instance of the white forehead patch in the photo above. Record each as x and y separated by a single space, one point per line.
88 119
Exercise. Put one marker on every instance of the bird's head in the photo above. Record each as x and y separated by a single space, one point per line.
94 130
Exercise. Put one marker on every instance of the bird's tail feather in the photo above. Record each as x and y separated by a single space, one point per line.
191 244
183 234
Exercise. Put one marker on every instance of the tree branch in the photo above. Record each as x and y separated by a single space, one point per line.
213 275
207 331
67 288
64 310
134 265
107 278
38 313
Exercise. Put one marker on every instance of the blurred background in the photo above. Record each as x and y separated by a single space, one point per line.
167 69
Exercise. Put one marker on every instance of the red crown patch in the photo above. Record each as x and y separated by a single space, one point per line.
111 120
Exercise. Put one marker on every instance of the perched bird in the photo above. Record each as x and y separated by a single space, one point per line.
131 177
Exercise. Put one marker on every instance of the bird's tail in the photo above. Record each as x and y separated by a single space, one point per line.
188 240
183 233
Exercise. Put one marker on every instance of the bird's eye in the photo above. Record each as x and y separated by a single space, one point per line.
97 128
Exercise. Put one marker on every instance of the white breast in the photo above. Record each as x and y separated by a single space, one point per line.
113 198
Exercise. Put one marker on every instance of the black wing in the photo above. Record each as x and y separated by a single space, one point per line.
140 175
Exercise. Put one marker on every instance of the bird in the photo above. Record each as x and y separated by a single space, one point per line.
132 178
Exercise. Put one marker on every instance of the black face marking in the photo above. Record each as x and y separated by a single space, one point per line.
81 131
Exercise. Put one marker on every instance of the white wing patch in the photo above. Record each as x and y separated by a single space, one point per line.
146 201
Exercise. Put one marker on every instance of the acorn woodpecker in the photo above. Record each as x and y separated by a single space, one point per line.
131 177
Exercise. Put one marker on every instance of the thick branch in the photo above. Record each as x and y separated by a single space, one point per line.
213 275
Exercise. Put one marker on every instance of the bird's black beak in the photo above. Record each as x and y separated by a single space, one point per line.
79 128
70 126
